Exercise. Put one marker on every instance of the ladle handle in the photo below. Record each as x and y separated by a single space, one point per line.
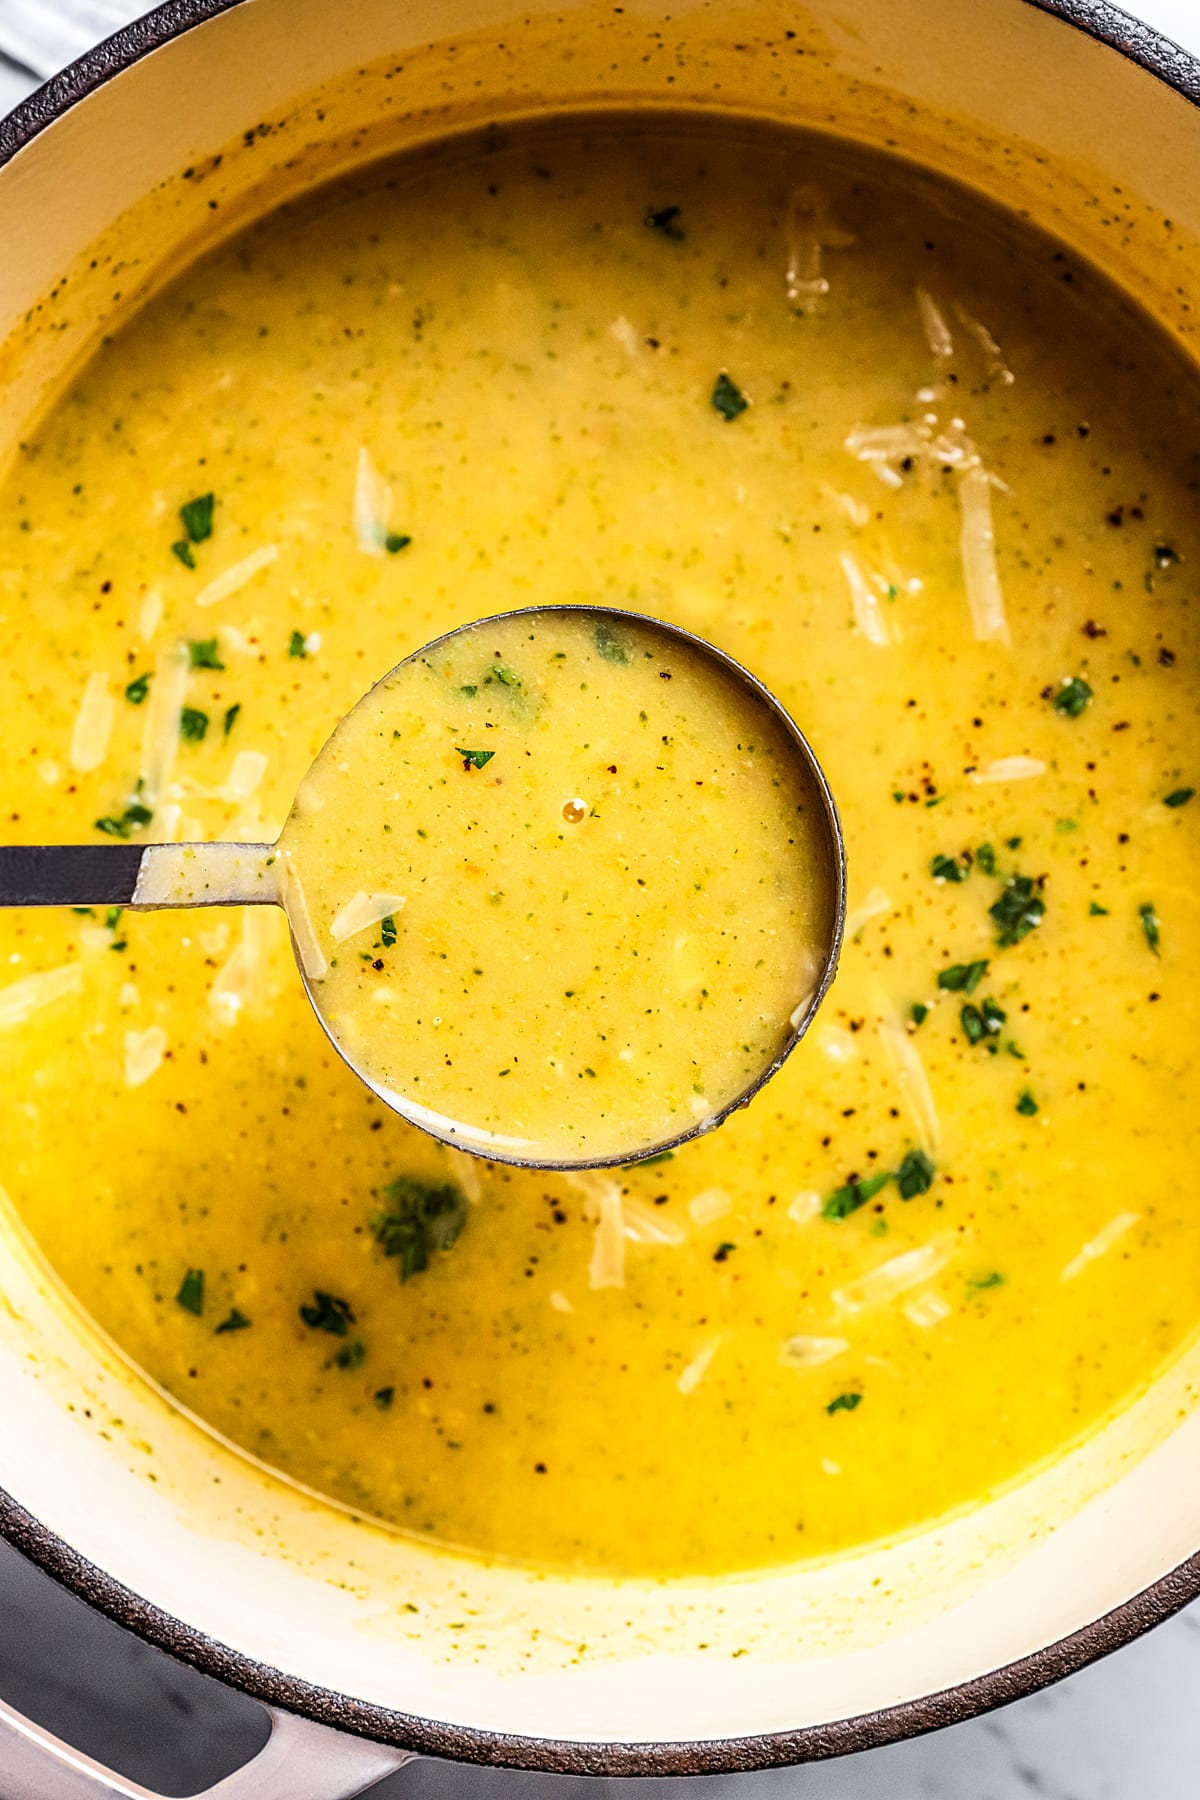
139 875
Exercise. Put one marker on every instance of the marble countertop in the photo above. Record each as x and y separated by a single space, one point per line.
1125 1729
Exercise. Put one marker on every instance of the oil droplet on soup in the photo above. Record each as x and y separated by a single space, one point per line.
933 480
559 993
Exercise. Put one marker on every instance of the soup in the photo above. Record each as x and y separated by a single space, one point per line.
934 482
590 874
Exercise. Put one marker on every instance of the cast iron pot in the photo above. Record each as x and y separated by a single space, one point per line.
369 1648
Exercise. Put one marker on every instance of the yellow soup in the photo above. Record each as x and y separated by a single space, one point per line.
568 884
934 482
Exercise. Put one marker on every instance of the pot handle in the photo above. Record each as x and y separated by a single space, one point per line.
299 1761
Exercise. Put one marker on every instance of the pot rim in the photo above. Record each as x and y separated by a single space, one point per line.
1139 43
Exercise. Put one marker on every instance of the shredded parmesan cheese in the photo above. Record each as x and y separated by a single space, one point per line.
909 1270
927 1310
804 1206
144 1051
235 577
810 1352
466 1170
1010 768
993 354
864 603
160 743
625 334
978 544
560 1303
1101 1244
151 614
312 957
872 906
933 323
21 998
607 1267
707 1207
691 1376
811 232
646 1224
372 506
244 778
363 911
838 1045
240 982
914 1085
93 724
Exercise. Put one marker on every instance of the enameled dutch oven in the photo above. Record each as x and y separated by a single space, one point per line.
370 1648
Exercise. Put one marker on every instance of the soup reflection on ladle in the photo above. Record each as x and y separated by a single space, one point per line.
565 887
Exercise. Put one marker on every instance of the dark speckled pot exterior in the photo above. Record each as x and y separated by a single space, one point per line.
1142 45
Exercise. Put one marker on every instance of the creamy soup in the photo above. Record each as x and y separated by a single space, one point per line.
565 884
936 484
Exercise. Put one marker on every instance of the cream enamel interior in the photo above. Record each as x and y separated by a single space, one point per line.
239 1555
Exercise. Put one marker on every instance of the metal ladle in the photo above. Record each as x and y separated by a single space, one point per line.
151 877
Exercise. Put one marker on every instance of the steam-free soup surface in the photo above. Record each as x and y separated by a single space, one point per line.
786 399
567 886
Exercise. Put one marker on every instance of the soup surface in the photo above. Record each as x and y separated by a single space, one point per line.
932 481
567 881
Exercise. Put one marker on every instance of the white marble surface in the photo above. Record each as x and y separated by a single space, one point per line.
1127 1729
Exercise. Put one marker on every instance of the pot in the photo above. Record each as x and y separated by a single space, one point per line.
370 1648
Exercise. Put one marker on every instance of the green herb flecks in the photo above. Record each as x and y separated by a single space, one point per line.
982 1024
418 1220
920 1012
665 219
193 725
383 1397
844 1403
1072 697
351 1356
231 717
183 550
1026 1104
124 824
1018 911
503 675
915 1175
985 857
948 868
139 687
609 645
395 541
325 1312
1179 797
191 1292
962 978
728 398
846 1200
979 1284
474 759
387 931
236 1321
196 517
298 645
1150 925
204 654
1096 911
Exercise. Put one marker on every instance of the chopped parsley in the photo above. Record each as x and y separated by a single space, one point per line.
183 550
298 644
915 1175
844 1403
231 716
1179 797
474 759
1095 911
383 1397
979 1284
193 725
387 931
325 1312
962 978
203 654
237 1321
1018 910
648 1162
351 1356
501 673
948 868
191 1292
609 645
139 687
196 517
666 220
418 1220
846 1200
920 1012
985 856
395 541
1026 1105
728 398
123 825
1072 697
1150 925
982 1022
